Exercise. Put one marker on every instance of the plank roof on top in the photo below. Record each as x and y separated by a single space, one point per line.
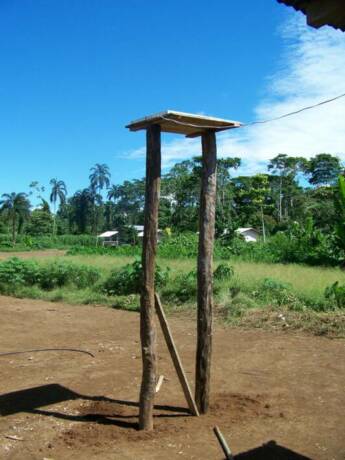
189 124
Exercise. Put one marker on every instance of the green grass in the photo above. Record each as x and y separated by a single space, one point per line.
304 301
307 282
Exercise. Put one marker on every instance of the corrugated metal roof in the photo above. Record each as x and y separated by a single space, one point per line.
246 229
108 234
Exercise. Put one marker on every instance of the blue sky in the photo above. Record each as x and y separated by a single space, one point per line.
74 72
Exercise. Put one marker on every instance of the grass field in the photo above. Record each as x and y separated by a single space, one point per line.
258 294
306 281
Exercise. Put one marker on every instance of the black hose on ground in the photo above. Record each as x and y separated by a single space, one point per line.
37 350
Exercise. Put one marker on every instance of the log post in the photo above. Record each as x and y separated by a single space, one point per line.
147 300
205 264
175 357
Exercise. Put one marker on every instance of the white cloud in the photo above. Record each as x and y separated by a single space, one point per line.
311 69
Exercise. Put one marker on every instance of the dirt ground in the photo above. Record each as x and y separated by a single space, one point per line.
274 395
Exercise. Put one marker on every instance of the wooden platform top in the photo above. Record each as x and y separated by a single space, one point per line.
189 124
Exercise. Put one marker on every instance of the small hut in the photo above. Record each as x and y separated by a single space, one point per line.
140 232
190 125
249 234
109 238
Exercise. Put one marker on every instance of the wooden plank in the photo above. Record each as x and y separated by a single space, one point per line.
204 272
175 357
200 133
189 124
147 300
159 383
223 443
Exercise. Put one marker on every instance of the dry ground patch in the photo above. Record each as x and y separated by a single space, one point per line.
266 386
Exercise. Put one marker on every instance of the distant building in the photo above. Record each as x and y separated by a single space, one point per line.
110 238
139 229
250 234
140 232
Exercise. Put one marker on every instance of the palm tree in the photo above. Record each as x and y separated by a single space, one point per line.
99 179
15 206
113 192
58 192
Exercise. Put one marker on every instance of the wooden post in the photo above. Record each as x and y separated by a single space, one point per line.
223 443
205 263
175 357
147 301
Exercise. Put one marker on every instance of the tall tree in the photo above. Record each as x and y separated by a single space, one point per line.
181 185
58 192
286 168
37 188
129 199
99 179
224 204
253 200
323 169
340 208
16 207
81 205
260 191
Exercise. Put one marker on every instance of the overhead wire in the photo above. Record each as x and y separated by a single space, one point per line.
256 122
295 111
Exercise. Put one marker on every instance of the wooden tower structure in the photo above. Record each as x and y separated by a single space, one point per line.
190 125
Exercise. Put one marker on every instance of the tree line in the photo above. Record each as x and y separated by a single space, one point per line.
292 190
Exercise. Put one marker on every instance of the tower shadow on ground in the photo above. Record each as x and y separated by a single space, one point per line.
270 451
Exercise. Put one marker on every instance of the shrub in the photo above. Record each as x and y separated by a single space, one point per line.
129 279
336 292
85 276
180 246
276 292
124 250
224 272
5 241
26 242
305 244
273 285
183 288
55 275
58 274
18 272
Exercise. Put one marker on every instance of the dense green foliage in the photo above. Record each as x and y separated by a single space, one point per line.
28 242
236 289
58 274
223 272
306 245
125 250
336 292
128 280
16 273
297 224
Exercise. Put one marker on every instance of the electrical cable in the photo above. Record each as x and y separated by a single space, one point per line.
244 125
75 350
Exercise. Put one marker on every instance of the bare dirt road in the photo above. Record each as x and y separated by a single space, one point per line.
267 386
